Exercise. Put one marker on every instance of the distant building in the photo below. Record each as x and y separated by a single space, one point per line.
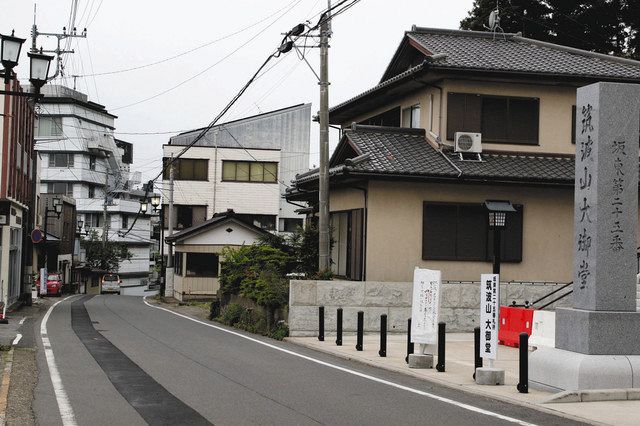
17 199
82 159
244 165
61 235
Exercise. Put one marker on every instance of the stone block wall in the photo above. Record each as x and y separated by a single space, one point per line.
459 309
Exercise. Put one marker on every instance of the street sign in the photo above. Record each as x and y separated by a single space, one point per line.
489 315
425 307
37 236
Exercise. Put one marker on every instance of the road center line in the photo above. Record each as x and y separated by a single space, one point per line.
64 406
17 339
353 372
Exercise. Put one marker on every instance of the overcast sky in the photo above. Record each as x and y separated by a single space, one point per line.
128 34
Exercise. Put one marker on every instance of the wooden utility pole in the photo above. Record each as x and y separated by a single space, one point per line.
168 287
323 190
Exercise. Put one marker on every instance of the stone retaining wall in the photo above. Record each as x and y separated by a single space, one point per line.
459 309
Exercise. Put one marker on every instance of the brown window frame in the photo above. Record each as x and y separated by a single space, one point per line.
208 274
249 163
474 120
180 169
480 250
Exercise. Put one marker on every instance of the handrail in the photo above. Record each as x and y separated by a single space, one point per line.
553 292
555 300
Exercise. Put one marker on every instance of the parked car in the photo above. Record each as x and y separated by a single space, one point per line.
54 285
110 283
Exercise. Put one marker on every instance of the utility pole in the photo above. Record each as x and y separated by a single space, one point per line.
169 270
323 190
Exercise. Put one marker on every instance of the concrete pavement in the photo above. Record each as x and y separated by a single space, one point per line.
459 370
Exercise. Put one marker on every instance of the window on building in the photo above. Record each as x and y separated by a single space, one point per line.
93 220
61 160
92 162
187 169
411 117
290 225
347 235
390 118
185 216
202 265
264 221
125 221
461 232
49 126
500 119
64 188
92 191
249 171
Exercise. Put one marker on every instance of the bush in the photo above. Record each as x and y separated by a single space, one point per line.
242 266
231 314
248 319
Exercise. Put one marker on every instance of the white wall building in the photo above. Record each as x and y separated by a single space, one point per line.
81 158
244 165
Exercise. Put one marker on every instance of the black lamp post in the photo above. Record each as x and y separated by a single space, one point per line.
10 47
497 210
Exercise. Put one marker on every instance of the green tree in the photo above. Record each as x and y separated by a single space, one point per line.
104 256
605 26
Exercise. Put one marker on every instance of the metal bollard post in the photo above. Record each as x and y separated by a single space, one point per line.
476 350
339 328
383 336
523 384
409 342
321 323
441 347
360 330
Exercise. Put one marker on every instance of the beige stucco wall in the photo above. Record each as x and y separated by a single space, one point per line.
394 231
555 110
346 199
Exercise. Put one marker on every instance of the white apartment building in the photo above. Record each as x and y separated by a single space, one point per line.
243 165
81 158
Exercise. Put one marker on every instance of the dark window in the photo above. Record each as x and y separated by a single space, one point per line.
61 160
290 225
92 192
92 162
202 265
500 119
185 216
63 188
177 263
93 220
187 169
125 221
461 232
389 118
264 221
249 171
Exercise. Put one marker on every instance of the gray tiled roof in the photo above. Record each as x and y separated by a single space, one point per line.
480 50
386 151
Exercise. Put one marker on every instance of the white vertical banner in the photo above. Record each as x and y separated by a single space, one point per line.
426 306
489 315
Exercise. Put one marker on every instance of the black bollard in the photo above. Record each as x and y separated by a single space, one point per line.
339 328
441 347
360 330
523 384
321 323
383 336
476 350
409 342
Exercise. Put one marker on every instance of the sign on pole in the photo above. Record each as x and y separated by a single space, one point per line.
489 315
425 306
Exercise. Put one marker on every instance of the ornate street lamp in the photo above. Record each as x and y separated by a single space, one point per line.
155 202
39 69
9 53
143 206
497 214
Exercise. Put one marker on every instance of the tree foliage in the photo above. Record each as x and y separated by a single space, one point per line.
604 26
104 256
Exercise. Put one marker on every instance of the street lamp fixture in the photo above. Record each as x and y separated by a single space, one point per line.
39 69
9 53
497 214
80 225
143 206
155 202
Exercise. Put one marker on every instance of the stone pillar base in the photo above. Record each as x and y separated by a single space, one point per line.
168 286
558 370
489 376
420 361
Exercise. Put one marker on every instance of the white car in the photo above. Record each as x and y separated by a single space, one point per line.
110 283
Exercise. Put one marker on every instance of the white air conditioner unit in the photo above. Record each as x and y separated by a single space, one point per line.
468 142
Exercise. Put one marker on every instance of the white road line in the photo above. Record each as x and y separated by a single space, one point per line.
64 406
22 320
353 372
17 339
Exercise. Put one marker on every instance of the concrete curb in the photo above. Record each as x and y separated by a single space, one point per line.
4 386
449 385
594 395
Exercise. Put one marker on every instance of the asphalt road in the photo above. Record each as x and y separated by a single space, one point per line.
121 362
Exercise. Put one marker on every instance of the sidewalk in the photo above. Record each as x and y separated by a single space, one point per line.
459 370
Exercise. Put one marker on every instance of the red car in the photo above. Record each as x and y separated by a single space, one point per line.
54 285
